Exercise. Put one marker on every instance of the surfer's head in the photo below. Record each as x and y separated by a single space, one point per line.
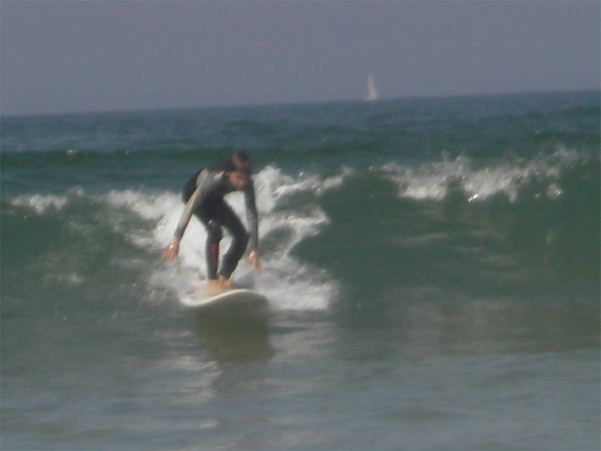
238 169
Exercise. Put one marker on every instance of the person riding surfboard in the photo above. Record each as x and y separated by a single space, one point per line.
204 196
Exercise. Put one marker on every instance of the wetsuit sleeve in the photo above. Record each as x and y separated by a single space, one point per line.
187 214
196 198
252 215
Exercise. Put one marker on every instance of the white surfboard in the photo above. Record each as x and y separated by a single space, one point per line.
239 296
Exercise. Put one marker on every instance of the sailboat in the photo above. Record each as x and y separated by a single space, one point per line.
372 94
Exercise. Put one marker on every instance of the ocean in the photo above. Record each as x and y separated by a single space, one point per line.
432 267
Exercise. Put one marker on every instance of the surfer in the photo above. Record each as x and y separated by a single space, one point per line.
203 195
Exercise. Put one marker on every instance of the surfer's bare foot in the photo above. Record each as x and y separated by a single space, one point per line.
226 284
214 286
220 285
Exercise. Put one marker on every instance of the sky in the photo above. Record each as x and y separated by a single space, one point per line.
84 56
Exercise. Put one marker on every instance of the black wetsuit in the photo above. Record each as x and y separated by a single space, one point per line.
203 195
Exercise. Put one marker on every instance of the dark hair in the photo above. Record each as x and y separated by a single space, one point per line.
238 161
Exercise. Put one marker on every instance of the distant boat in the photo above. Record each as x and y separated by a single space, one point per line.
372 94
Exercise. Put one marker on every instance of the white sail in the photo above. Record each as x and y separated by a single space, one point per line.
372 93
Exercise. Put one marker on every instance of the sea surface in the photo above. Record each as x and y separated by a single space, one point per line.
432 267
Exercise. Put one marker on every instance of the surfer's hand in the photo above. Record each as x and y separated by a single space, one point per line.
171 251
254 261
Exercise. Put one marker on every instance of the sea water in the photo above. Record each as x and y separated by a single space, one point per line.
431 265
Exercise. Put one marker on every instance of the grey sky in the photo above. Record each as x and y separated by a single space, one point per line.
70 56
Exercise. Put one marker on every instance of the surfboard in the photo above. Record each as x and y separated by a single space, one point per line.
238 296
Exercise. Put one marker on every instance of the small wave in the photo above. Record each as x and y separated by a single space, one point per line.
148 218
433 181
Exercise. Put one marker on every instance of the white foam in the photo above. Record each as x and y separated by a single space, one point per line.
432 180
41 203
271 185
